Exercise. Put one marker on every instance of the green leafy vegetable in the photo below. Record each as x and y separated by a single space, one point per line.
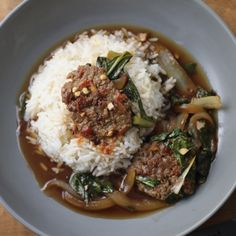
173 198
102 62
179 142
132 93
176 133
190 68
147 181
201 92
114 68
176 140
176 100
107 186
145 123
117 66
89 186
203 165
206 152
160 137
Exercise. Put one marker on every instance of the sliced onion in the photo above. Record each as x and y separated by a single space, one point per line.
181 120
60 184
136 205
121 82
200 116
96 205
209 102
193 123
189 108
128 181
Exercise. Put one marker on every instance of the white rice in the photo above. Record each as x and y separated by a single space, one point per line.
50 120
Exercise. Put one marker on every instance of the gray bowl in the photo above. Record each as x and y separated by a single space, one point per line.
35 27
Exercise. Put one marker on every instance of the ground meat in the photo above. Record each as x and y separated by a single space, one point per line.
98 109
155 160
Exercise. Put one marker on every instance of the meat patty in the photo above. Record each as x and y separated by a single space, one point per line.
156 161
99 110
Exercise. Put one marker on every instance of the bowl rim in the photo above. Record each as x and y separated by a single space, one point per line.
224 26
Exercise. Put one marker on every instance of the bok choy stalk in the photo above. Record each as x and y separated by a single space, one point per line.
184 84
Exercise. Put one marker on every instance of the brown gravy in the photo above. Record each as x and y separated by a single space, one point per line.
39 163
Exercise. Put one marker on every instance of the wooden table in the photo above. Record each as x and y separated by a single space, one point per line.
227 10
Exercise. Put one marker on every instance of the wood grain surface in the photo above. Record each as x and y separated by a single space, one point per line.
226 9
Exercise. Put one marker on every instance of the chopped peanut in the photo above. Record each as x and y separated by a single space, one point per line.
103 77
77 94
93 88
82 114
74 89
85 91
142 37
200 125
110 106
110 133
183 151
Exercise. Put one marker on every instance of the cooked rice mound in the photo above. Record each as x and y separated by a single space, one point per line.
51 122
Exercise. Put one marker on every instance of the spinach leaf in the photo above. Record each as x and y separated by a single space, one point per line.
115 66
107 186
132 93
89 186
190 68
147 181
176 133
177 143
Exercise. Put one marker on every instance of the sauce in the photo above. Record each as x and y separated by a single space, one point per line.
42 167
